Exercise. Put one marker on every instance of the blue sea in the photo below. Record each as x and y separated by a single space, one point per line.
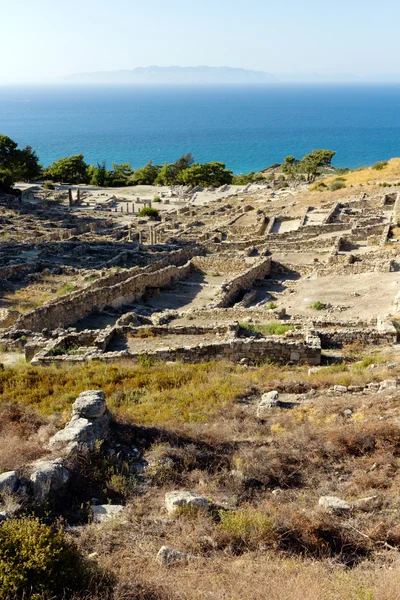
248 128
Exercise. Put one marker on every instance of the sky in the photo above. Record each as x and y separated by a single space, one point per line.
45 39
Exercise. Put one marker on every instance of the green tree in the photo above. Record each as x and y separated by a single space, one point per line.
167 175
313 163
98 174
146 175
210 174
70 169
16 164
120 174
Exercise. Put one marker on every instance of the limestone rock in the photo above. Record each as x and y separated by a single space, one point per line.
334 504
77 431
268 401
47 476
340 389
8 482
90 404
177 499
167 556
106 512
3 516
388 385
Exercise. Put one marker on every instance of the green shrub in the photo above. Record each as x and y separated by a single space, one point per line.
246 526
48 185
337 185
36 562
156 199
378 166
147 211
320 186
318 305
271 305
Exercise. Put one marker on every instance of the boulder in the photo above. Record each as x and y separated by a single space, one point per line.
48 476
3 516
78 431
178 499
167 556
90 405
8 482
268 401
334 504
106 512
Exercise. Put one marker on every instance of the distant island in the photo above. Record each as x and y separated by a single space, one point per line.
174 75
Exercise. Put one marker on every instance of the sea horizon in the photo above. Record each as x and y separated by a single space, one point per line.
246 127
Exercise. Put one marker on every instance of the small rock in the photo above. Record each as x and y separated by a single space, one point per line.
388 385
106 512
347 412
3 516
177 499
340 389
8 482
268 401
334 504
167 556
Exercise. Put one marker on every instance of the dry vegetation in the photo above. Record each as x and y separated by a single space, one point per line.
195 425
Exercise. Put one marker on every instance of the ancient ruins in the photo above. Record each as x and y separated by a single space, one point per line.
84 277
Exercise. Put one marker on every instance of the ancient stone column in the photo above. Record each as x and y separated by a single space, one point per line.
70 197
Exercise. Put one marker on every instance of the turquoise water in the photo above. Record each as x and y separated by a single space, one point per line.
248 128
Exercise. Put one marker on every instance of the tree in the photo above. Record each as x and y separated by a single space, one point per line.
146 175
291 168
71 169
98 174
212 174
17 164
312 163
27 166
120 174
6 180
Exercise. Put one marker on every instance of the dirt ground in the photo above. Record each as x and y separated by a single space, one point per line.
375 294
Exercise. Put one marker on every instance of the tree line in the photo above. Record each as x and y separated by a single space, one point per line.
23 165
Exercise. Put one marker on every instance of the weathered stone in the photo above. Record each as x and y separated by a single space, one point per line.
178 499
48 476
3 516
106 512
268 401
167 556
90 404
334 504
8 482
340 389
387 386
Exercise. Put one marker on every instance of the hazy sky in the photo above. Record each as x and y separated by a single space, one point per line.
45 38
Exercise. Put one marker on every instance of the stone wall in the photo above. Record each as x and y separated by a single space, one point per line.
71 308
369 336
244 280
255 350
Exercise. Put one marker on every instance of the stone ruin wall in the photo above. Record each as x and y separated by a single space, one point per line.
73 307
242 281
257 351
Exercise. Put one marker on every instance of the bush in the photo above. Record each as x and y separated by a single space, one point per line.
147 211
48 185
246 527
378 166
337 185
156 199
320 186
36 562
318 305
